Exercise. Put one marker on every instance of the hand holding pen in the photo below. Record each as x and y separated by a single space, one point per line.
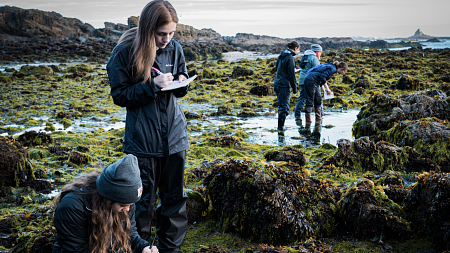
163 80
181 78
151 248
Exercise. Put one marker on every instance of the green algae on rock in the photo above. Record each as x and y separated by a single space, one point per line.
366 154
429 136
382 112
429 207
365 211
15 165
277 209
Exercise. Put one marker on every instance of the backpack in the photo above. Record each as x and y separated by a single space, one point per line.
303 61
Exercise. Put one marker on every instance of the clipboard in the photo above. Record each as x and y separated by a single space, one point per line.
176 84
326 96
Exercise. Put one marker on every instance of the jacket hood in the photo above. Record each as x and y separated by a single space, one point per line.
309 52
286 52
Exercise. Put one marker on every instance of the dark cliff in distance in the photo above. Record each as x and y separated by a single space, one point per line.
28 30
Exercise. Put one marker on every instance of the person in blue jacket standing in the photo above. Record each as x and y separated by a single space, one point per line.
316 77
285 80
310 59
146 60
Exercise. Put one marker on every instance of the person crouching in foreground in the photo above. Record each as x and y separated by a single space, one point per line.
285 67
316 77
95 213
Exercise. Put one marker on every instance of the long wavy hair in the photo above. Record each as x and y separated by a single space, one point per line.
154 15
110 230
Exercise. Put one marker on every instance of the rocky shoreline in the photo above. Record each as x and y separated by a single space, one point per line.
43 33
385 191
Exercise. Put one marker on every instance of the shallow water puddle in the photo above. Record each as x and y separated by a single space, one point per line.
261 129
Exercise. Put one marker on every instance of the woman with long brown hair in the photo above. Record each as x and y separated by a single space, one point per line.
95 213
145 60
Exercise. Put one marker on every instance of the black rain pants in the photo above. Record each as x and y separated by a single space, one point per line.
166 174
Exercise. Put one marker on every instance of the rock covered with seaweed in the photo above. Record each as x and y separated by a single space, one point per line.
269 203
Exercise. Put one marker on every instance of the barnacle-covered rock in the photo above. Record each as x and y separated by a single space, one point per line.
287 154
78 158
225 141
270 204
15 167
408 83
308 246
393 185
384 111
365 211
222 110
247 112
242 71
429 136
262 90
370 154
33 138
429 207
195 206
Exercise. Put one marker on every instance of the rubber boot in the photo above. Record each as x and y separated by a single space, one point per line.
308 117
281 120
298 122
318 115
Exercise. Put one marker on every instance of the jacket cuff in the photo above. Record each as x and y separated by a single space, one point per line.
152 85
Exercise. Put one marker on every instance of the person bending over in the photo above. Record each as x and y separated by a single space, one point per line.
316 77
95 213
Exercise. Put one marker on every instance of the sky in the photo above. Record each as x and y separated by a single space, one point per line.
278 18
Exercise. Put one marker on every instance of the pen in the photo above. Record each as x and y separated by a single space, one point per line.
153 242
157 71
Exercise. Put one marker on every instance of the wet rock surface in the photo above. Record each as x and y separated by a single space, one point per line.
269 204
33 138
429 136
365 211
382 112
15 166
429 206
287 154
366 154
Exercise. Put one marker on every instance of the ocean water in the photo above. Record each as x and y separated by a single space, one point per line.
433 45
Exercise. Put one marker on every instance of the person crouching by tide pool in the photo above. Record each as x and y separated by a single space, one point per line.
145 60
310 59
284 80
95 213
316 77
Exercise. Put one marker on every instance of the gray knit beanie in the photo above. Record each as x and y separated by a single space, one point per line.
316 48
121 181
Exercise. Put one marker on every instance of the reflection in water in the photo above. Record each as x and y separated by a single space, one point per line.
281 138
335 125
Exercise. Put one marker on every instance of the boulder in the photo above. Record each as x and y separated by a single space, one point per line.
269 204
383 111
15 166
429 136
430 209
366 212
370 154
